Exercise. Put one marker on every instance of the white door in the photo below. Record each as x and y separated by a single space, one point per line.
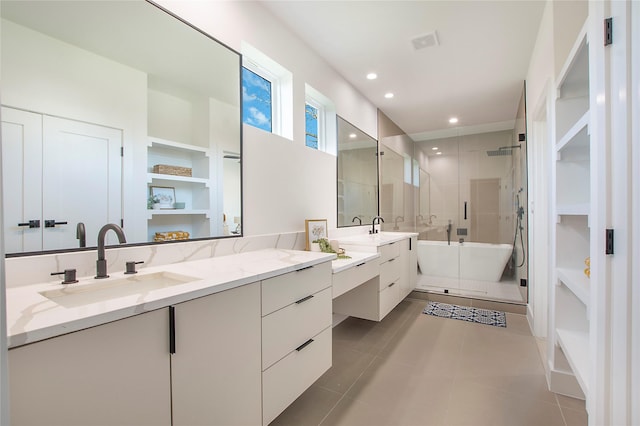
22 178
82 181
56 173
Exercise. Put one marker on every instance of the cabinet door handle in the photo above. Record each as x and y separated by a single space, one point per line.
304 345
392 284
51 223
172 329
304 299
31 224
391 260
360 264
304 269
410 244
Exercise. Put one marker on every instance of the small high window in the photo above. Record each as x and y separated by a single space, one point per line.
256 100
311 126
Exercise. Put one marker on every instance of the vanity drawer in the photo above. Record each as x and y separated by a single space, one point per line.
287 379
390 272
389 251
389 297
288 328
350 278
283 290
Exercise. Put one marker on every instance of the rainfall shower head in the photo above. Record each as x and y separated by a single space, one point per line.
502 151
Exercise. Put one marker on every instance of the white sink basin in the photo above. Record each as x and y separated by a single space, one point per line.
74 295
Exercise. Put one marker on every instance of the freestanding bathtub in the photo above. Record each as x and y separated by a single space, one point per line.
469 261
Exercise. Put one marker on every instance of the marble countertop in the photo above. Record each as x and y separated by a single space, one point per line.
375 240
32 317
339 265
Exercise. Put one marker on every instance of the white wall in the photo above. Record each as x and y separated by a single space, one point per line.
540 77
284 181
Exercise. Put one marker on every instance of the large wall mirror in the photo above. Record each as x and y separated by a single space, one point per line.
357 175
116 112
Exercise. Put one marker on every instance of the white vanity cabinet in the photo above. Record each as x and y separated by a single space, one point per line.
115 374
390 272
397 276
215 367
296 335
409 268
123 372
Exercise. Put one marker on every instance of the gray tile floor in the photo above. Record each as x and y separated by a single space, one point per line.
416 369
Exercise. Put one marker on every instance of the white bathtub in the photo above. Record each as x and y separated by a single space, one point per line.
469 261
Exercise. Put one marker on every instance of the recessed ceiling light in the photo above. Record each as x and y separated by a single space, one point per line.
372 76
453 120
388 95
353 135
435 148
438 153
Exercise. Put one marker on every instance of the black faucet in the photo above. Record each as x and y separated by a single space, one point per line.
354 219
101 263
373 224
81 234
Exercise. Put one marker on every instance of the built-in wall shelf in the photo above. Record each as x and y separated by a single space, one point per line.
176 145
570 298
576 281
177 212
573 209
577 136
151 177
195 191
575 346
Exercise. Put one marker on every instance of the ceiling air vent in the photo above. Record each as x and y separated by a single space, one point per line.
426 40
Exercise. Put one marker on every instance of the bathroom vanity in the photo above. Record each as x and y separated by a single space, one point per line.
226 340
374 287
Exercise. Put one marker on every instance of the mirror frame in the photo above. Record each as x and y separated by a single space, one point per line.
377 213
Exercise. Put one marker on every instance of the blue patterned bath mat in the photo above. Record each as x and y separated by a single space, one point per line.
464 313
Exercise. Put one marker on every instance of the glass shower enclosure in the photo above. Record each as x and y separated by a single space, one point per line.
471 218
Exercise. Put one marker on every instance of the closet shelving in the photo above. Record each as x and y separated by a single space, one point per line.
570 330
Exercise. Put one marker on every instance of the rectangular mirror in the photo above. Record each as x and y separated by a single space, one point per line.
103 100
357 175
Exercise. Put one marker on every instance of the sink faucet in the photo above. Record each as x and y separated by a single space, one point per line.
398 218
431 217
81 234
373 224
101 263
354 219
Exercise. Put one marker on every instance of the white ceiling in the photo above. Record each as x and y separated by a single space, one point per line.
476 72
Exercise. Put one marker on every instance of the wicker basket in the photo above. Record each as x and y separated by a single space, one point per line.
172 170
171 236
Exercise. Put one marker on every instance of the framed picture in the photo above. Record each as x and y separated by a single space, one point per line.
315 229
166 196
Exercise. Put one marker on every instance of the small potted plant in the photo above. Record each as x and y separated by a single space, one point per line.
153 202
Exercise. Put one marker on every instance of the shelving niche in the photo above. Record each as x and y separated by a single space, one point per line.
569 354
179 129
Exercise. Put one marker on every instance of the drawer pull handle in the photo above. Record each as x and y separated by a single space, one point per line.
172 330
391 260
304 299
304 345
360 264
392 284
304 269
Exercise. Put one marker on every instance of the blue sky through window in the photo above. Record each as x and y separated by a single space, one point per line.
311 126
256 100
